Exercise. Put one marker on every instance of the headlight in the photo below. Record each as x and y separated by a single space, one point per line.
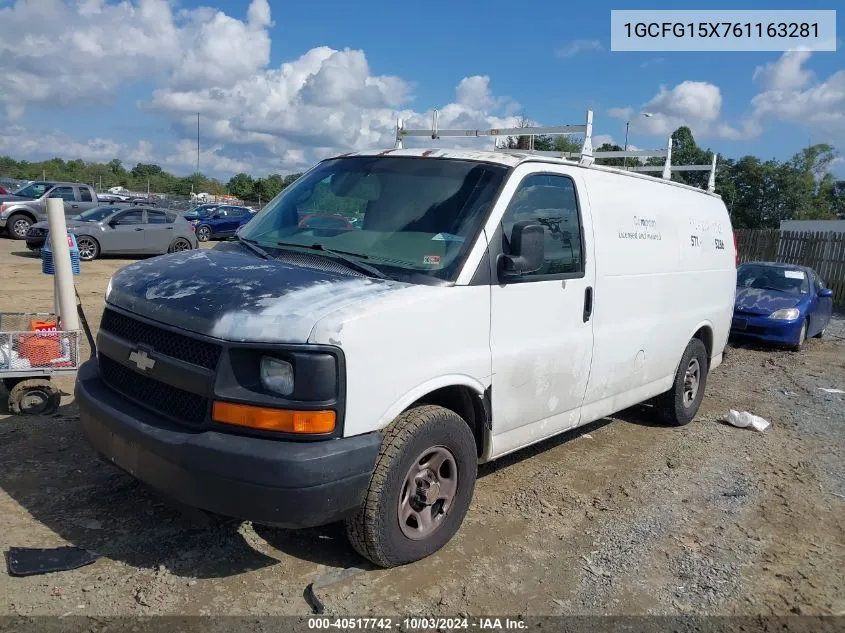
786 314
277 375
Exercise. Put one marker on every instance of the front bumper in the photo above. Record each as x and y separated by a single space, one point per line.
762 328
35 242
2 223
268 481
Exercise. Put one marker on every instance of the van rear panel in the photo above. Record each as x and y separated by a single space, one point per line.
665 267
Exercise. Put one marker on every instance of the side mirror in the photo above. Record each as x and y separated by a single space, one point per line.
527 250
826 292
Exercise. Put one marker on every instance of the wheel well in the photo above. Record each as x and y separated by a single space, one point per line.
466 403
25 212
705 335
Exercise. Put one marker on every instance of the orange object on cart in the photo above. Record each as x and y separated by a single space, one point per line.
39 349
42 326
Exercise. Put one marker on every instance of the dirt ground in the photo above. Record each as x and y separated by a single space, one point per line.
622 517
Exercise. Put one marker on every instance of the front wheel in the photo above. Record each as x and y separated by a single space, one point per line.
679 405
203 233
421 488
802 338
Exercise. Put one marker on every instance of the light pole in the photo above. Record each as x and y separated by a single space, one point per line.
647 115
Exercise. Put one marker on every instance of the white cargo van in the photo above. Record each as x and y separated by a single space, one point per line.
394 318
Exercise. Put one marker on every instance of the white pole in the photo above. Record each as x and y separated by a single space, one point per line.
61 260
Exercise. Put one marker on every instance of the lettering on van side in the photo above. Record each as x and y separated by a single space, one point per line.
644 229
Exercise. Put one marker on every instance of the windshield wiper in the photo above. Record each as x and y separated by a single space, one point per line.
251 245
345 257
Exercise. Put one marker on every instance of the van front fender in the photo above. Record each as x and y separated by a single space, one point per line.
429 386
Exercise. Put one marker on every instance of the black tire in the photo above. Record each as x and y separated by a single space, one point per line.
178 245
802 337
375 531
18 225
203 233
675 407
821 334
34 397
89 248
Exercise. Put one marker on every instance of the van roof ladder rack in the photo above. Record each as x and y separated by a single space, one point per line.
586 157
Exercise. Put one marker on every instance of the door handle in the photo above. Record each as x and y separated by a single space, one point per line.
139 229
169 228
588 303
74 206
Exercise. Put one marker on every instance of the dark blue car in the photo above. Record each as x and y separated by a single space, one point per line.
217 220
780 303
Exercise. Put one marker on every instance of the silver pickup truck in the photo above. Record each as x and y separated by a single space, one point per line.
28 205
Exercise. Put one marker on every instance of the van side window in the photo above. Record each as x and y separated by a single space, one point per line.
549 200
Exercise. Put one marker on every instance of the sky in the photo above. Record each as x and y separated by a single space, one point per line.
279 86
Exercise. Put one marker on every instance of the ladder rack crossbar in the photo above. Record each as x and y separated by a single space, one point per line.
585 157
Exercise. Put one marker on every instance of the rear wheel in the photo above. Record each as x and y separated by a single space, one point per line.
18 225
179 244
421 488
821 334
679 405
89 248
203 233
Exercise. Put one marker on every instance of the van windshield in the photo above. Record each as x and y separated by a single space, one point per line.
403 215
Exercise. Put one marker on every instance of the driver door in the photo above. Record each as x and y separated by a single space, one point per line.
541 336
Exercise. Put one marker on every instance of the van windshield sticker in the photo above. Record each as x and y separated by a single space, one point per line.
447 237
793 274
431 259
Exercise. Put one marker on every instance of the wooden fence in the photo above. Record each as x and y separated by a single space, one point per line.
823 252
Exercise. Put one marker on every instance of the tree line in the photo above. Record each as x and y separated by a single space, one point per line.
758 193
144 177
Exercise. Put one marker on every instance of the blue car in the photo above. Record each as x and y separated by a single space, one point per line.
780 304
214 221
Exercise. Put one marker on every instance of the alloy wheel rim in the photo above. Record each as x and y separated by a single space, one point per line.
21 227
427 493
86 248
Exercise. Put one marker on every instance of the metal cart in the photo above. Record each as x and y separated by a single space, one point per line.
31 353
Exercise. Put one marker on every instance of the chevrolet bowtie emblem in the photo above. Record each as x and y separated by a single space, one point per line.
142 360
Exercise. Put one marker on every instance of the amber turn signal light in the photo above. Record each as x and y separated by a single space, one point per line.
266 419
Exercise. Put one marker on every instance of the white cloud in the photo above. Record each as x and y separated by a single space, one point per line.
17 141
794 95
578 46
695 104
787 73
253 116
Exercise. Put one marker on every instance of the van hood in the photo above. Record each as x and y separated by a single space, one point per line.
764 302
235 295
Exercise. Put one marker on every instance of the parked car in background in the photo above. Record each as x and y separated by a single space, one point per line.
214 221
3 191
28 205
780 303
123 231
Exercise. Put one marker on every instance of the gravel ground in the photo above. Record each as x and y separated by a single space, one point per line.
623 517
